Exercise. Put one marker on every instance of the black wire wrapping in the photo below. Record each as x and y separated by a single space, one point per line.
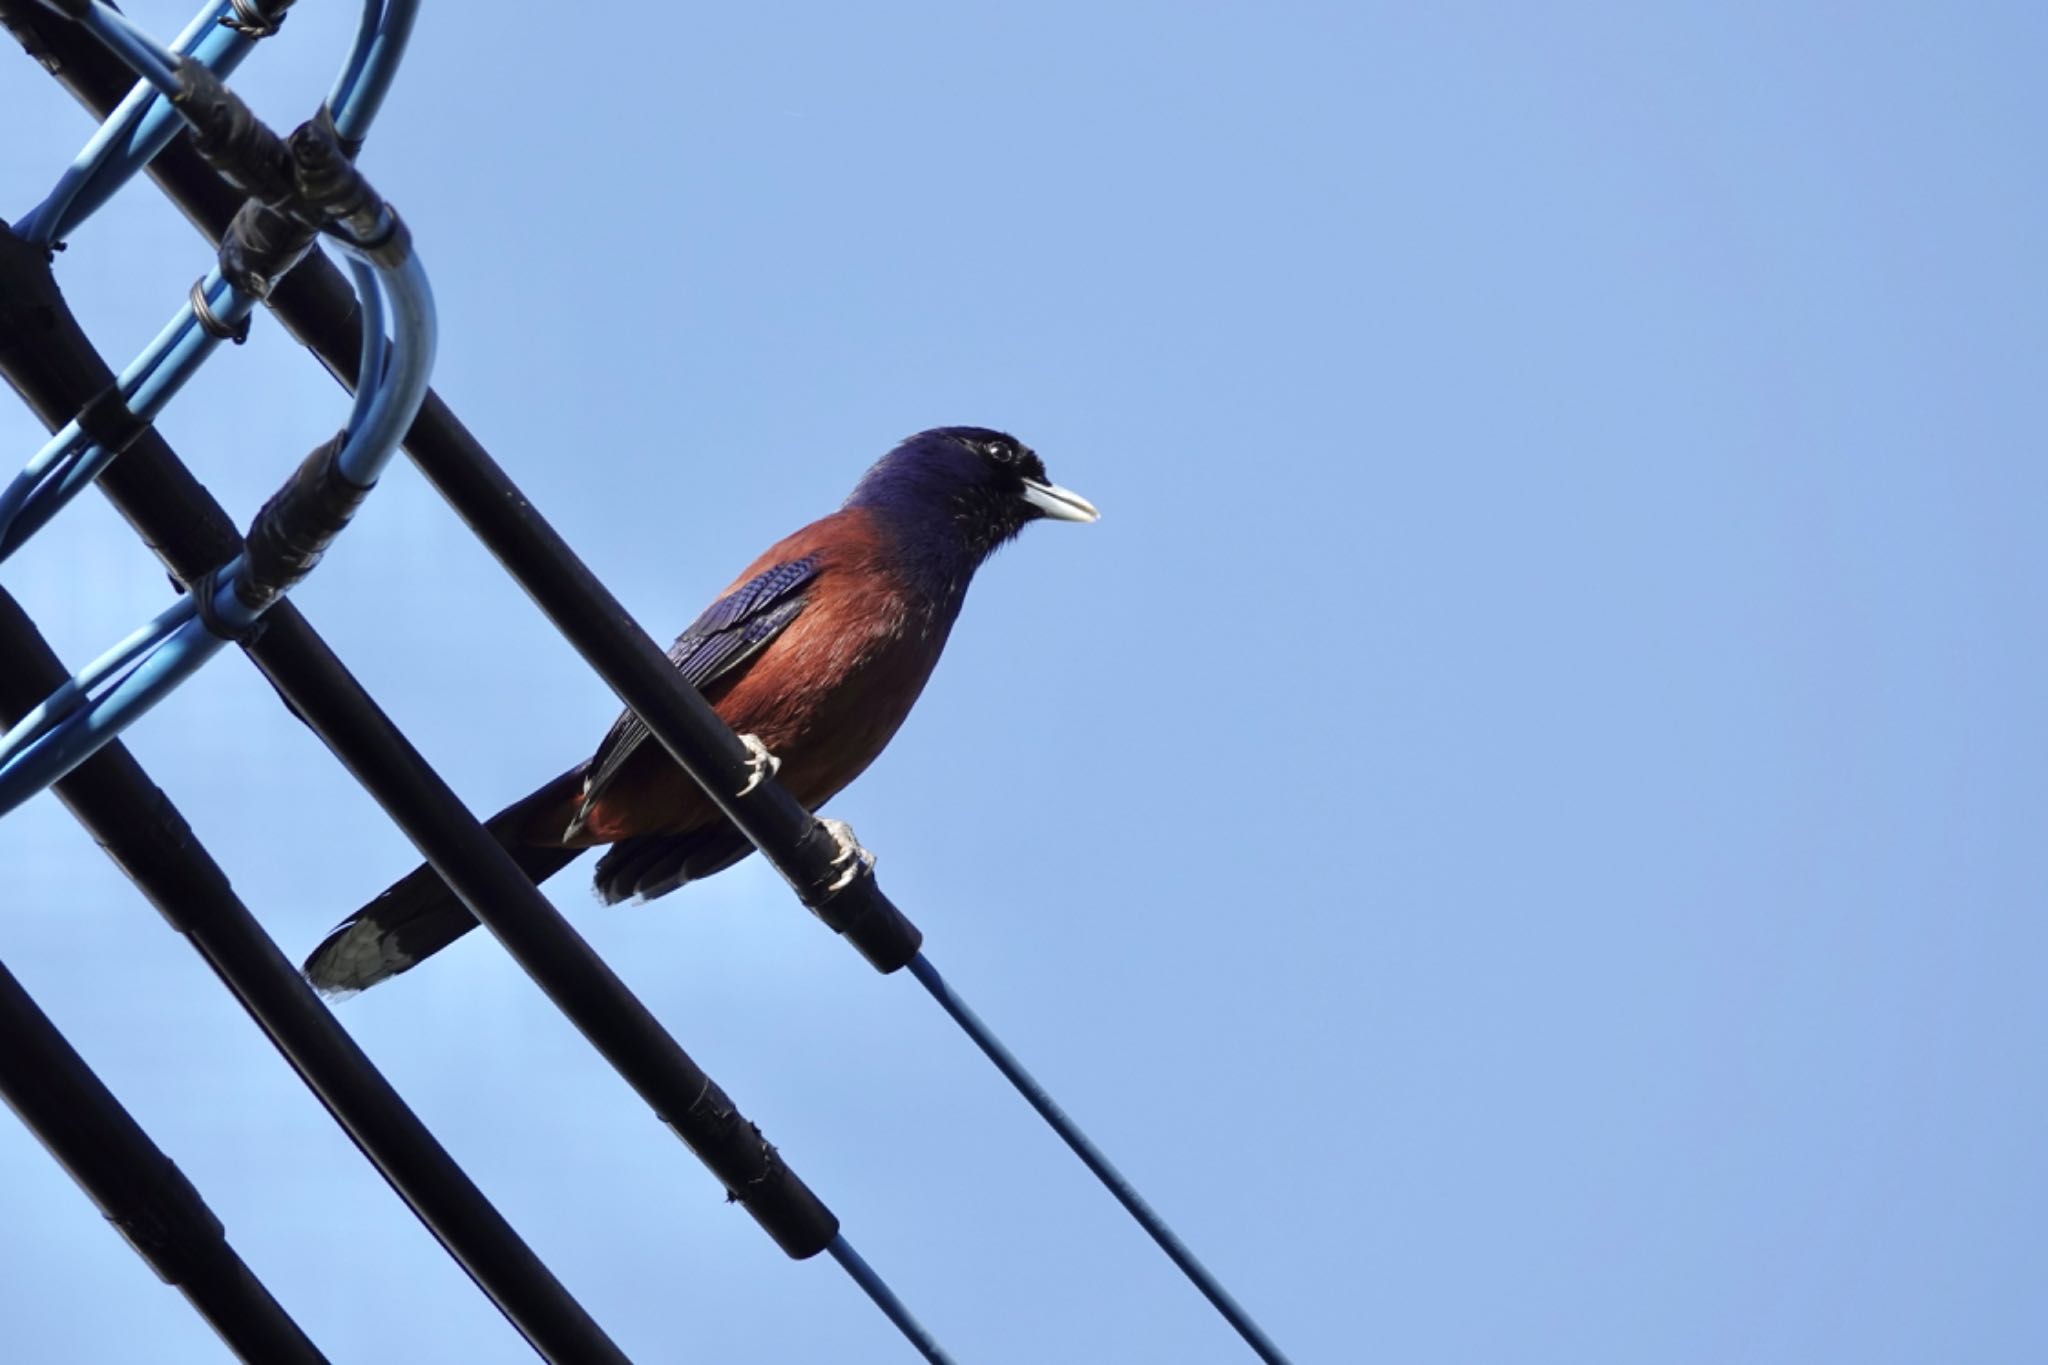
327 183
227 133
296 526
139 1189
262 243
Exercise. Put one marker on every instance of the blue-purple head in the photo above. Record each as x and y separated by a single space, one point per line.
968 487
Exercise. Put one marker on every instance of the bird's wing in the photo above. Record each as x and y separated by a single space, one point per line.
718 644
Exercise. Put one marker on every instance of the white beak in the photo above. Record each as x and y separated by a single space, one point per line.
1059 503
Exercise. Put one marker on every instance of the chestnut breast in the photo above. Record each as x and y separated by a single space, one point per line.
825 697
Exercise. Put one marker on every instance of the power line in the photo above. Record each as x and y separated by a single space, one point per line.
1091 1156
144 833
885 1299
142 1193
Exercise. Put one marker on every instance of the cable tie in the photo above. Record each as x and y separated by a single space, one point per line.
211 322
204 589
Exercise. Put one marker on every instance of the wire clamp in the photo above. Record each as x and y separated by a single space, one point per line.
252 20
761 765
211 322
204 589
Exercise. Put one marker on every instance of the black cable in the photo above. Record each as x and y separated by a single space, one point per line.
885 1299
1092 1157
52 365
144 833
140 1190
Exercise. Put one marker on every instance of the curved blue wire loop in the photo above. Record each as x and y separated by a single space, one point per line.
137 130
124 683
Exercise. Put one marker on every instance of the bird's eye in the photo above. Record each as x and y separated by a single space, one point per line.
1000 452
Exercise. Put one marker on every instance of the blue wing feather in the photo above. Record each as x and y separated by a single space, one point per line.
718 644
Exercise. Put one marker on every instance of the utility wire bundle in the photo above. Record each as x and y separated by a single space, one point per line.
266 200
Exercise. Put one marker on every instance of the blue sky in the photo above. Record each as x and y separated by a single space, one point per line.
1521 829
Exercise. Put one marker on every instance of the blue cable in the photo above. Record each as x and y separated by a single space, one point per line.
126 141
139 128
351 74
72 695
375 349
380 42
132 45
187 343
885 1299
133 134
1091 1156
70 460
161 657
396 400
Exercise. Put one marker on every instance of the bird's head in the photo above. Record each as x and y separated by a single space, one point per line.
971 485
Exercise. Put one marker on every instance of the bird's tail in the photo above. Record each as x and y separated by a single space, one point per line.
418 916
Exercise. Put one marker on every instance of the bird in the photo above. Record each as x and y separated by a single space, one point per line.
815 655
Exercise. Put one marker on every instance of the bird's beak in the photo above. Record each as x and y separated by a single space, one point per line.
1059 503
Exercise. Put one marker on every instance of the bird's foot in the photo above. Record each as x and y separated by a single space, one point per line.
581 818
761 765
851 856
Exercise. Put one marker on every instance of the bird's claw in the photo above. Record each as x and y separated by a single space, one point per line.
851 856
761 765
582 815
